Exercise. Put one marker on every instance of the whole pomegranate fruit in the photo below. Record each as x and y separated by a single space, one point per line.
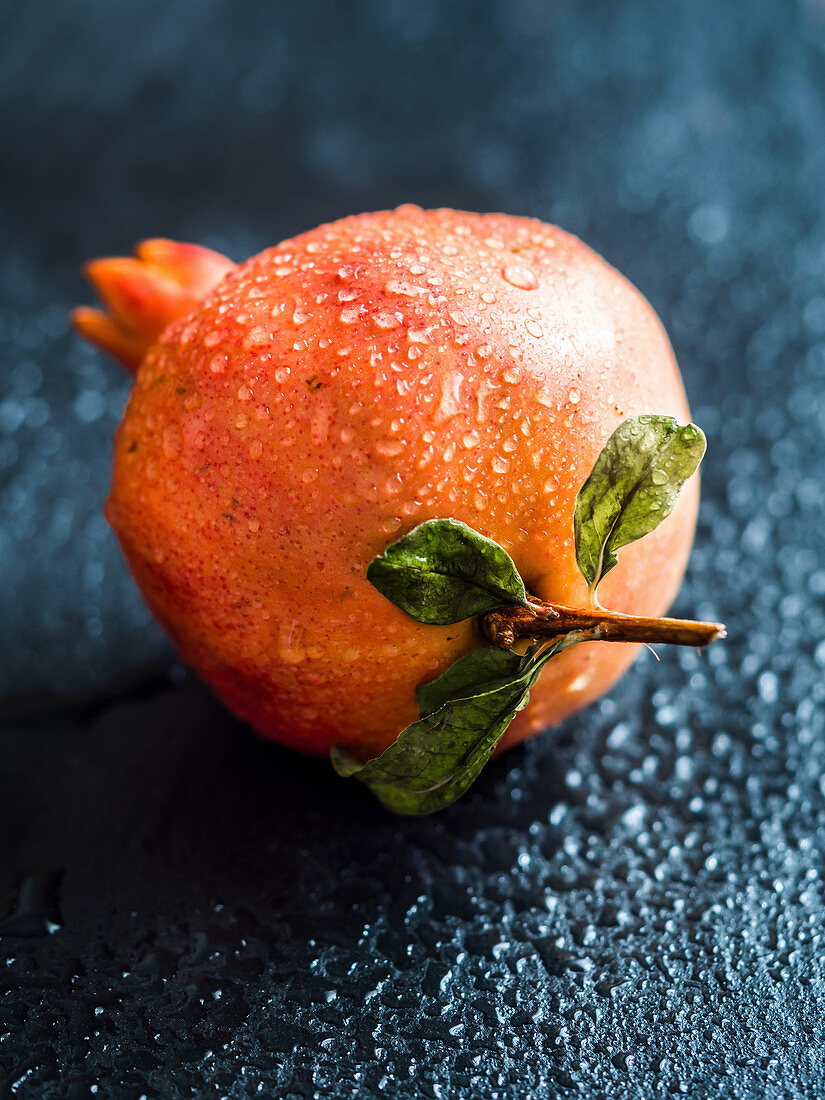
294 414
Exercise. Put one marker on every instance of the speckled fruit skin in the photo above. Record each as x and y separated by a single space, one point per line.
336 390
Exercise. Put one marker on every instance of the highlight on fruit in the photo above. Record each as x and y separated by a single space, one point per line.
380 482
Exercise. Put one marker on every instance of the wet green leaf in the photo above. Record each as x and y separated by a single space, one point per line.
435 760
443 571
633 486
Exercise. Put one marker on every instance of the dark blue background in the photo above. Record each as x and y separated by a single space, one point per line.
632 906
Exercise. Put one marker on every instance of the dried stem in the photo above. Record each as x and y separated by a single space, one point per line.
505 625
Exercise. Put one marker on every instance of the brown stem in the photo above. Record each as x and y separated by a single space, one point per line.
505 625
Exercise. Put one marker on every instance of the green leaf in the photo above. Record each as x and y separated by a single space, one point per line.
435 760
443 571
633 486
480 666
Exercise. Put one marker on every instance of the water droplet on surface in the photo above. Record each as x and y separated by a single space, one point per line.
574 396
534 328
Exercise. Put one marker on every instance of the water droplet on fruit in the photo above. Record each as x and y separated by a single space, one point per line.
471 439
172 441
458 317
281 374
217 364
256 338
384 319
418 335
512 375
290 648
574 396
389 447
534 328
244 393
500 465
319 429
521 277
254 525
399 286
256 448
350 314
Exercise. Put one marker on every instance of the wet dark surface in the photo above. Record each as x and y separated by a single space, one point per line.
632 906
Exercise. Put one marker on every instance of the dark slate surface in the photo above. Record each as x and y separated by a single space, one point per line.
632 906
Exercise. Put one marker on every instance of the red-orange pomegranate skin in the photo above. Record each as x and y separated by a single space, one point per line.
333 392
